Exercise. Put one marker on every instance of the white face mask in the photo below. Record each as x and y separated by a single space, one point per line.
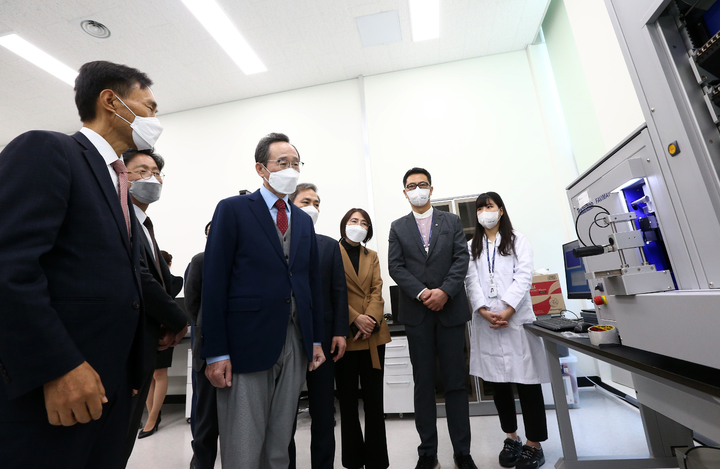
146 130
146 191
284 181
312 211
488 219
355 233
418 197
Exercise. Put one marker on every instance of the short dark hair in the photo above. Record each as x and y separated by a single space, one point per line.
207 227
347 217
167 256
94 77
132 153
303 186
262 151
412 171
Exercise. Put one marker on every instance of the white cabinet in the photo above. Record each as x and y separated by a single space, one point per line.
398 385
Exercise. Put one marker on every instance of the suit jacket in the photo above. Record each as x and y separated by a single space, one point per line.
160 305
248 283
69 278
193 305
365 297
334 288
444 266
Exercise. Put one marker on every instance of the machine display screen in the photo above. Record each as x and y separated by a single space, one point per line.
577 285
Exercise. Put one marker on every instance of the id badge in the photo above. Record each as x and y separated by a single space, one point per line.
493 291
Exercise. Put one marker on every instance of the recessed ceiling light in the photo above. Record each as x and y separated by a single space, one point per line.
42 59
95 29
379 28
217 23
425 19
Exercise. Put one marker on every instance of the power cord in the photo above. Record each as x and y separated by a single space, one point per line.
582 212
696 448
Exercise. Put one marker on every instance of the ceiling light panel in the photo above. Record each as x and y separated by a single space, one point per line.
42 59
217 23
425 19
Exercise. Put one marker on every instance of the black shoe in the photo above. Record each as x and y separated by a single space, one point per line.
145 434
510 453
427 462
531 458
464 461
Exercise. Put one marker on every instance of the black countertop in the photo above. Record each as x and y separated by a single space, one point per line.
692 375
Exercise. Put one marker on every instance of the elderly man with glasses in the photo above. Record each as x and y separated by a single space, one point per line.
262 311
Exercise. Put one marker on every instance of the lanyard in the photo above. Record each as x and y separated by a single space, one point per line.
491 270
426 246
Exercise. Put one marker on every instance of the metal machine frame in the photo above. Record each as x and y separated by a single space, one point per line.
667 311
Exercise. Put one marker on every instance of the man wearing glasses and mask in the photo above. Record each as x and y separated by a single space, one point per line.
165 322
428 259
262 311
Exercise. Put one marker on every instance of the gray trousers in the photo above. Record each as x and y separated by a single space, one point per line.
256 414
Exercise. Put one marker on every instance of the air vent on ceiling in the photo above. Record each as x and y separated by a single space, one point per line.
95 29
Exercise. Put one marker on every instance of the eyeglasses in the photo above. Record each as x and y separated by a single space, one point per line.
422 185
356 221
285 164
147 174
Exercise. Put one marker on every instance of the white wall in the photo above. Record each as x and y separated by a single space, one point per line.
210 156
476 125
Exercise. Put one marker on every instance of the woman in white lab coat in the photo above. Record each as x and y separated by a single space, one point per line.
502 353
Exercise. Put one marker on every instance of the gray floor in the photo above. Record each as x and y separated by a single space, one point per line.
603 426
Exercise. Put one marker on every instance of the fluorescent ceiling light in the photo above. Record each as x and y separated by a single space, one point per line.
32 54
425 19
217 23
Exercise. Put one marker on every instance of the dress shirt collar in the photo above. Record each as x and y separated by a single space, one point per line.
420 216
102 145
139 214
271 198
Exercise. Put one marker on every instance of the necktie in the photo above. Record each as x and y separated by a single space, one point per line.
122 172
148 224
282 220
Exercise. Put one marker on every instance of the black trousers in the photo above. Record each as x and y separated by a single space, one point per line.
531 403
204 420
137 405
99 444
427 341
321 397
371 451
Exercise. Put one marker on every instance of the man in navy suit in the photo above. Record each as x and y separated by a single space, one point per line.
262 311
70 279
321 382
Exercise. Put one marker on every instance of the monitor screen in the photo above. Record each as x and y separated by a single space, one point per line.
577 286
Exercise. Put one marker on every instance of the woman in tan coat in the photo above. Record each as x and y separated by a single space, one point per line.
365 353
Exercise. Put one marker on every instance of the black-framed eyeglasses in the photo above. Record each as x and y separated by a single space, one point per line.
422 185
285 164
147 174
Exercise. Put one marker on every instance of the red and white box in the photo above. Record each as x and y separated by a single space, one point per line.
546 295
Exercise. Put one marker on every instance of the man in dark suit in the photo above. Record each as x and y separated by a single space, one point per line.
204 419
165 322
70 286
428 259
321 382
262 314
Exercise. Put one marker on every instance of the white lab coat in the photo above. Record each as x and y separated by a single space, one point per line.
509 354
